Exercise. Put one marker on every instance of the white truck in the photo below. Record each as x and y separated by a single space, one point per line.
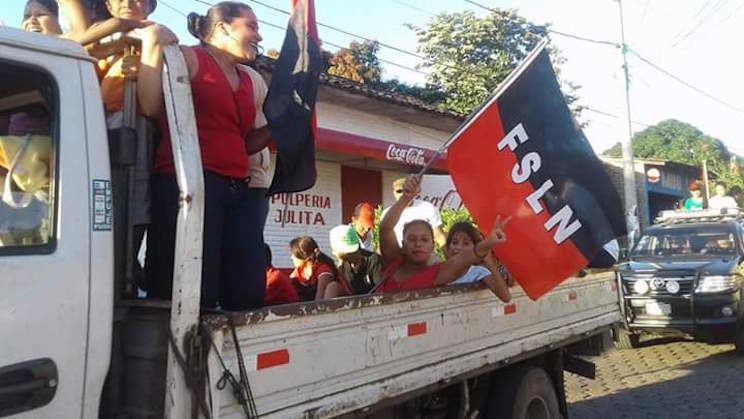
70 348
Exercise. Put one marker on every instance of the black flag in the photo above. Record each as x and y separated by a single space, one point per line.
290 103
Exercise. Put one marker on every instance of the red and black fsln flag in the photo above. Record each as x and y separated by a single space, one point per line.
523 155
290 103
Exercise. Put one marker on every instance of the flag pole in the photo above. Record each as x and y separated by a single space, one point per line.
483 106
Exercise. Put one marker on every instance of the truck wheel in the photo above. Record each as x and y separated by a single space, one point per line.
625 339
524 393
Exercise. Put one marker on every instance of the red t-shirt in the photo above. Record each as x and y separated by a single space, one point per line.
419 280
223 119
279 289
307 287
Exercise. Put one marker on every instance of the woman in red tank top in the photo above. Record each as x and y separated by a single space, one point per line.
225 105
407 267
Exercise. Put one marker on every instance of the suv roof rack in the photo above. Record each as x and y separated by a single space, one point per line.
697 216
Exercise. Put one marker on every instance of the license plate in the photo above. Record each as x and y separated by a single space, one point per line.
658 309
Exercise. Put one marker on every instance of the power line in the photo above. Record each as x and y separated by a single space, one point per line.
688 85
702 20
611 115
411 6
173 8
333 28
568 35
581 38
262 22
730 15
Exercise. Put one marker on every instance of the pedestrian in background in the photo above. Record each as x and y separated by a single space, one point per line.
363 222
416 210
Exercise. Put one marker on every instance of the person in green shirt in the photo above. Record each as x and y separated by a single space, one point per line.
695 201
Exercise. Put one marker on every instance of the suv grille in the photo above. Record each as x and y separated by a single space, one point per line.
657 285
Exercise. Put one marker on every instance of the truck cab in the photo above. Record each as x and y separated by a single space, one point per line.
55 229
684 277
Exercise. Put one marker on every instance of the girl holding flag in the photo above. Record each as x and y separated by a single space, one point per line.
407 267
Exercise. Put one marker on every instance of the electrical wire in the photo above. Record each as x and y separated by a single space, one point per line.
730 15
333 28
611 115
263 22
411 6
701 21
581 38
173 8
567 35
684 83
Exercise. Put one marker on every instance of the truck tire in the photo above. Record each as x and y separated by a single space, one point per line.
624 339
523 393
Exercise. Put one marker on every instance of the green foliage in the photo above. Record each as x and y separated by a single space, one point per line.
358 62
450 217
428 94
469 56
681 142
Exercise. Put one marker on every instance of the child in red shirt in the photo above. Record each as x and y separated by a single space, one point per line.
315 275
279 289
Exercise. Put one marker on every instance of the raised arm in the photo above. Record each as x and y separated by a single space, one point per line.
149 78
454 267
389 247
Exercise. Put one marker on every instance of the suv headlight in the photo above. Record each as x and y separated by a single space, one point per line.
715 283
640 287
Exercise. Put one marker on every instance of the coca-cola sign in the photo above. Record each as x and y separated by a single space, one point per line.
408 155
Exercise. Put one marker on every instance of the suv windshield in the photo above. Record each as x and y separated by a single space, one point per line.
701 240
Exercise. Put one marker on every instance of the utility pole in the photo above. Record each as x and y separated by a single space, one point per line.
631 199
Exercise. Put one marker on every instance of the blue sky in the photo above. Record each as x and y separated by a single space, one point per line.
696 40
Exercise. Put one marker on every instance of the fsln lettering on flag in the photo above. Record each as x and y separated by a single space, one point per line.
523 155
290 103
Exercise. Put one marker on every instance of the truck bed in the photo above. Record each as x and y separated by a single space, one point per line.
331 358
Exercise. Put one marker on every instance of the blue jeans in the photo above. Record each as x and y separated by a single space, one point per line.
233 261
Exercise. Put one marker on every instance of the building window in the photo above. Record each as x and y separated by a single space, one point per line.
28 118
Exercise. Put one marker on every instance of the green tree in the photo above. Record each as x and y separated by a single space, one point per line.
468 56
359 62
683 143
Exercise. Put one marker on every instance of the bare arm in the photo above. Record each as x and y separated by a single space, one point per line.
323 280
100 30
389 247
149 78
257 140
453 268
495 282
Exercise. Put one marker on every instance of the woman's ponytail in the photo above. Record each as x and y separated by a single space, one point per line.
196 25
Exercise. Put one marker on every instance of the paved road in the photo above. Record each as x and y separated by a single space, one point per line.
663 379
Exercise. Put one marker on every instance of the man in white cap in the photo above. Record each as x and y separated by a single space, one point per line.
360 268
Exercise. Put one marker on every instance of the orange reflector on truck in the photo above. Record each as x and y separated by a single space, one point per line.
272 359
415 329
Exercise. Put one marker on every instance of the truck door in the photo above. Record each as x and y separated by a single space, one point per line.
45 229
